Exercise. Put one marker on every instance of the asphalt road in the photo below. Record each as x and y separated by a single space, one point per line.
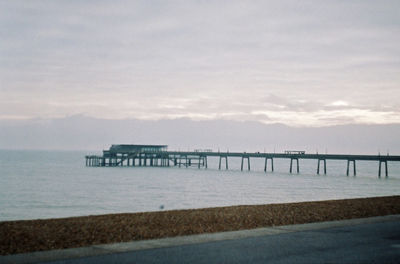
364 243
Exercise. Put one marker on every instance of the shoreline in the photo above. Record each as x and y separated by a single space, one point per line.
22 236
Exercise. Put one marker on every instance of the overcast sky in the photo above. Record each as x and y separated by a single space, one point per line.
302 63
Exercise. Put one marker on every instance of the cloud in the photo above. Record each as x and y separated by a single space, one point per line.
339 103
258 60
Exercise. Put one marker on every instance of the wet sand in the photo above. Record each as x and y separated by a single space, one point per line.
37 235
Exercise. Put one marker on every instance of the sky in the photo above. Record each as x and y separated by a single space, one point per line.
300 63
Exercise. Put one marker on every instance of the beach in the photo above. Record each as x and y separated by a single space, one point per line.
60 233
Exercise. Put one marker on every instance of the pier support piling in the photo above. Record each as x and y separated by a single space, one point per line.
291 164
226 162
266 163
386 168
248 163
348 167
319 161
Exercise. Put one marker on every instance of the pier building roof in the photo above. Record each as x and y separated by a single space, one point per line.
125 148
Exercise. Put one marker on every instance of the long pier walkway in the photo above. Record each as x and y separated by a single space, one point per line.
159 156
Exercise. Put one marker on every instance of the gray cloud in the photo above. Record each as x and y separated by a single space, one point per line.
253 60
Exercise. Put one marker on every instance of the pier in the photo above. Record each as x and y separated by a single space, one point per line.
159 156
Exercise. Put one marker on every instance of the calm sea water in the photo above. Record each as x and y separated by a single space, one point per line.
51 184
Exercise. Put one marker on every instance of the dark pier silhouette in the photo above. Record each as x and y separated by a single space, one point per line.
159 156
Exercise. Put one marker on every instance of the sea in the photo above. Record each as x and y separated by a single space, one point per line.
54 184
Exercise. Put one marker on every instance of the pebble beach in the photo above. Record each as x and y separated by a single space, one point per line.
60 233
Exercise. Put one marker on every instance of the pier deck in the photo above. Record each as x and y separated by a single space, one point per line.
158 155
